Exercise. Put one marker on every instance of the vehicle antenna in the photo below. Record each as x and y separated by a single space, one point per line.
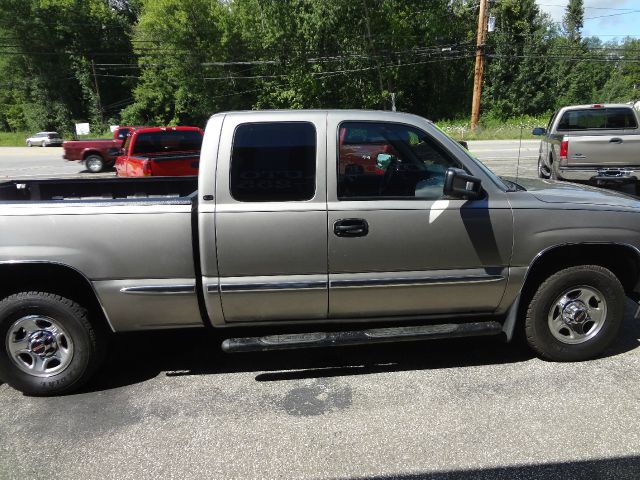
519 148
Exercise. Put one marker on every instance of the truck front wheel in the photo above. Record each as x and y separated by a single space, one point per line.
541 169
575 314
49 347
94 163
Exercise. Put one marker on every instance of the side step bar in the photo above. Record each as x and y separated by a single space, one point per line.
360 337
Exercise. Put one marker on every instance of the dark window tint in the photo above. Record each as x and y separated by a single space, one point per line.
273 162
122 133
53 135
598 118
168 141
387 160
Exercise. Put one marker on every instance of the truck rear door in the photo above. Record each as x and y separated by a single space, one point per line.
270 228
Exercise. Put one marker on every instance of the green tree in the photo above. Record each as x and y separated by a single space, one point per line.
573 20
50 49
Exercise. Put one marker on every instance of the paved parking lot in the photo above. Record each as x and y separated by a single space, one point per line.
172 405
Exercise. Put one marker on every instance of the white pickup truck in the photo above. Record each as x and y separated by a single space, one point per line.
597 144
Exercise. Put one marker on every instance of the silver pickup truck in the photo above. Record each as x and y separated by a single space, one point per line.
597 144
323 228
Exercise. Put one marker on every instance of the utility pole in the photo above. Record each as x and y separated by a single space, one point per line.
479 70
95 81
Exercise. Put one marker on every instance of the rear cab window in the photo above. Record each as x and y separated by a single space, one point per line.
273 162
598 119
167 141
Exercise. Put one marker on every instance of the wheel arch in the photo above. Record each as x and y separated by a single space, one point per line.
623 260
52 277
89 152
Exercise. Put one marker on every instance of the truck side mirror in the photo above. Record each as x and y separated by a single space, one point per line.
538 131
459 184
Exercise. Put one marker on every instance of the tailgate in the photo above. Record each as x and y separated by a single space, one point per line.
604 150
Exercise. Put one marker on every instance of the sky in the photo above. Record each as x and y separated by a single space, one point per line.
618 18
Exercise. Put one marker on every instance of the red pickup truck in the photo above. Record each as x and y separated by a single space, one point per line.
161 151
97 154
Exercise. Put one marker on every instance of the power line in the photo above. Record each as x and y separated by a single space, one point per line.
612 15
586 8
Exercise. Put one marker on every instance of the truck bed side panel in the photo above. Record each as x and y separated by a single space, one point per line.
115 247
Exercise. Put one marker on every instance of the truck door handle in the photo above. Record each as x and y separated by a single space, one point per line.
351 227
615 140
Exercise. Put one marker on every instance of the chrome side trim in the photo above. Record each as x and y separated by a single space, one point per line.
160 290
396 282
266 287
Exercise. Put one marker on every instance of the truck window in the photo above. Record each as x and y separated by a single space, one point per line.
122 133
168 141
597 118
388 160
273 162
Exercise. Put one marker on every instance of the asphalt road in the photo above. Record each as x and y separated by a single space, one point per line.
172 405
21 162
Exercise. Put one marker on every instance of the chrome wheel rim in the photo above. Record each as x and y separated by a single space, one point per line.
39 346
577 315
94 165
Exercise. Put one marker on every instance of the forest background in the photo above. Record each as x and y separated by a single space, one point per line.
176 62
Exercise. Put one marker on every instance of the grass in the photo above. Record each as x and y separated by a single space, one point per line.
492 129
13 139
17 139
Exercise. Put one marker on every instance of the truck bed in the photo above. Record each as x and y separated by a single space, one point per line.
103 189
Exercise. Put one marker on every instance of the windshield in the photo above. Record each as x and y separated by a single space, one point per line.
168 141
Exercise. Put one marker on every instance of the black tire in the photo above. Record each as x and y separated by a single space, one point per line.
29 144
541 173
87 343
537 324
94 163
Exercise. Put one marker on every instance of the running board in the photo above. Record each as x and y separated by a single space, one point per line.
360 337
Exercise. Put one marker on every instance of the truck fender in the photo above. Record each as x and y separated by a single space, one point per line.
54 277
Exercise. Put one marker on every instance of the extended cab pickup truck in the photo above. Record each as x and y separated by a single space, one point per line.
161 151
275 235
597 144
96 154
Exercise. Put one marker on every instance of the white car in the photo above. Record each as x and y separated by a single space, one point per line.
44 139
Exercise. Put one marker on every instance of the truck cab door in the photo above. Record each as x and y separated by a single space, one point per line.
397 247
270 226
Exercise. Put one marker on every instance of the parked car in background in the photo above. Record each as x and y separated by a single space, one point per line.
161 151
97 154
597 144
44 139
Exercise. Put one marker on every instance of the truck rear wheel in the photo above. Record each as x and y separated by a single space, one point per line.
575 314
94 163
49 347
